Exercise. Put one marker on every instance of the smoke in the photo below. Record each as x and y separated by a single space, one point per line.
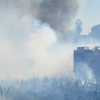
33 51
57 13
84 71
28 38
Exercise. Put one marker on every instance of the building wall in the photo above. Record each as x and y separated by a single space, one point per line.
86 59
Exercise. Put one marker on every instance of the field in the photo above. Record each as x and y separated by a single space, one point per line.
64 88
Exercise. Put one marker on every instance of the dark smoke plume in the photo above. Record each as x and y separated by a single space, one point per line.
57 13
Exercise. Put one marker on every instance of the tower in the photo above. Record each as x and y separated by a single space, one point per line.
78 24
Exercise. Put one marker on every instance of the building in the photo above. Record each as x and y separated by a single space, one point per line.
87 61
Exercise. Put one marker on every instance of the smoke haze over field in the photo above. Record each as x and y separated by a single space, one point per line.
28 37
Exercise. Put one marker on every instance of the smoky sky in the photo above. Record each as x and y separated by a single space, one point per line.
28 37
57 13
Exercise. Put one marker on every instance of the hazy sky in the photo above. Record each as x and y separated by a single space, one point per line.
89 13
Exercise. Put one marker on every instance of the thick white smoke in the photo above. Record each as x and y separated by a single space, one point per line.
28 40
30 48
36 52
